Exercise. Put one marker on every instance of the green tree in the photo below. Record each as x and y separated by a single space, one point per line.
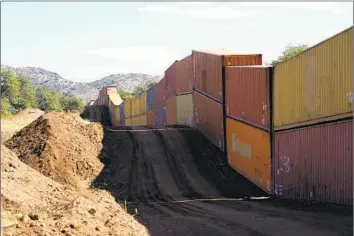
27 98
70 102
48 100
10 88
289 52
125 94
139 90
6 108
151 85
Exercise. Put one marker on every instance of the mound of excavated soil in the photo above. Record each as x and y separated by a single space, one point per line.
33 204
62 146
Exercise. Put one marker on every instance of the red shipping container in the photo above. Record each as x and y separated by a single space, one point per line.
184 75
208 118
151 118
247 94
171 110
208 70
170 77
315 163
160 93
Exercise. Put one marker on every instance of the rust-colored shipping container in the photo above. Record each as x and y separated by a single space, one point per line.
208 70
170 80
248 94
171 110
315 163
184 75
160 93
316 85
208 119
151 118
249 152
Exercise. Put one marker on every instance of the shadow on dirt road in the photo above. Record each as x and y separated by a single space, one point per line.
173 177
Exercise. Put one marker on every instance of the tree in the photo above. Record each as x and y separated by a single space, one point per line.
125 94
27 98
6 108
139 90
10 88
289 52
48 100
70 102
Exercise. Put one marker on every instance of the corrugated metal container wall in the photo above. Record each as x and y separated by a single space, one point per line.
151 98
184 75
243 60
170 77
128 122
171 110
135 121
208 118
160 93
135 107
208 77
128 108
143 120
316 83
247 94
122 113
151 118
315 163
161 118
185 110
249 152
142 102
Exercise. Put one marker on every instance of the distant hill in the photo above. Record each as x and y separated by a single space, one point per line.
85 91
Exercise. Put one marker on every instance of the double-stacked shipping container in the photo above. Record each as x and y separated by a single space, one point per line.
313 123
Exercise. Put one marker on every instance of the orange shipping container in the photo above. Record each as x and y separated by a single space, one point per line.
208 119
171 110
184 75
151 118
249 152
208 70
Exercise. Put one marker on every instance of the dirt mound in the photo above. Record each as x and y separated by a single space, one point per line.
33 204
62 146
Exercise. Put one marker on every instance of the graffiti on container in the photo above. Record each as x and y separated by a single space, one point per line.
284 165
278 189
350 97
227 109
244 149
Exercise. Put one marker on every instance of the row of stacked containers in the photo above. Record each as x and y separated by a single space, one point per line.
288 129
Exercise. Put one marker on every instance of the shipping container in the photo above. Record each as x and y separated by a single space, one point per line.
122 114
142 120
151 98
184 75
135 107
184 105
161 119
171 110
170 77
151 118
316 84
128 108
135 121
160 93
315 163
249 152
208 118
128 122
243 60
113 105
248 94
142 102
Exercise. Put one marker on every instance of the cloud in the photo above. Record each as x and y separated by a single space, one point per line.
198 10
307 5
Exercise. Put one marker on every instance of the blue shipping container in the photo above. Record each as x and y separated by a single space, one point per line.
122 113
151 98
161 118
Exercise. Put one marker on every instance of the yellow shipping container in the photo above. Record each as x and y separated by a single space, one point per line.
142 120
249 154
185 109
143 103
316 85
114 101
135 107
128 108
135 121
128 122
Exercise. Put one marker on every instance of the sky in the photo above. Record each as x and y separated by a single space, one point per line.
90 40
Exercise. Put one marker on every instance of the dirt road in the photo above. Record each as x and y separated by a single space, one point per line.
163 174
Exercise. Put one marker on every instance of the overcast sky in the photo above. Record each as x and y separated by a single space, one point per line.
87 41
